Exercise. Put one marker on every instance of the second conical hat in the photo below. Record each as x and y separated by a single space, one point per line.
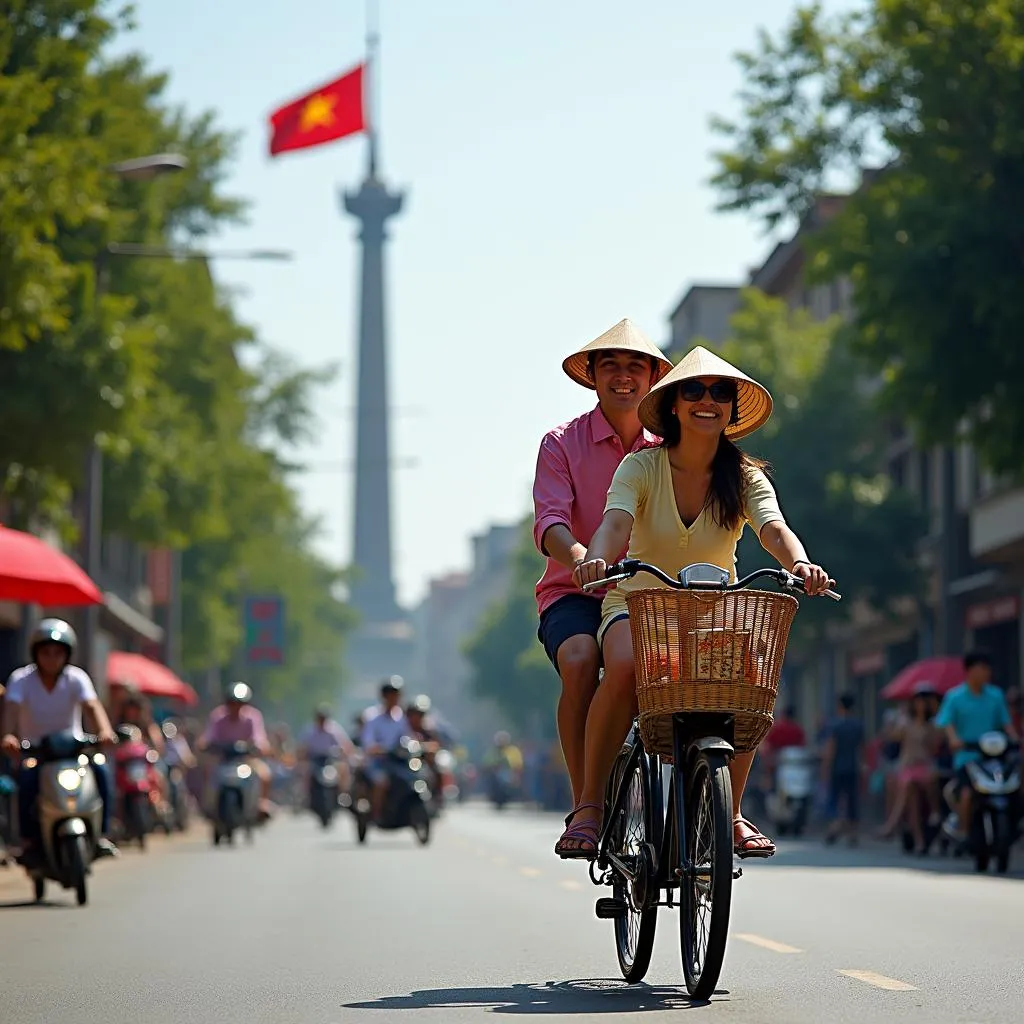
753 403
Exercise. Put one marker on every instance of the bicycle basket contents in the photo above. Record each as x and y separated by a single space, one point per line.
711 652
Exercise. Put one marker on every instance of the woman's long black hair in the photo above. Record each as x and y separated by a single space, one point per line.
725 495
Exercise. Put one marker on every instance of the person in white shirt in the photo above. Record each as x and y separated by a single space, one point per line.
47 697
382 732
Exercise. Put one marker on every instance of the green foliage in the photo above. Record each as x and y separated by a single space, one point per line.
508 664
934 89
824 442
144 355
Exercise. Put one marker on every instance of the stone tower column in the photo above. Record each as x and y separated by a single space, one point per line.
373 593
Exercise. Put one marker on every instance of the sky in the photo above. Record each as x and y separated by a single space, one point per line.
555 157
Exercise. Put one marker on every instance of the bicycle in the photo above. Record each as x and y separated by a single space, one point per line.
708 661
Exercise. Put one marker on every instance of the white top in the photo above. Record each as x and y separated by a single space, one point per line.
385 730
47 711
320 742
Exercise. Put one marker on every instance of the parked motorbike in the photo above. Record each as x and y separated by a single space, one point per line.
324 786
236 793
996 800
69 810
408 799
137 785
789 803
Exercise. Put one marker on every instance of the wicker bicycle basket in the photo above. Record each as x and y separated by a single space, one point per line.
711 652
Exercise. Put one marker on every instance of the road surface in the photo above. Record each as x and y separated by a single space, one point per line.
306 927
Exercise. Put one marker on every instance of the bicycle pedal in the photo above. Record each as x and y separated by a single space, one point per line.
609 909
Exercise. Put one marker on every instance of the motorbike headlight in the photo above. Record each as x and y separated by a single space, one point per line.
444 760
69 779
243 771
993 744
415 764
420 786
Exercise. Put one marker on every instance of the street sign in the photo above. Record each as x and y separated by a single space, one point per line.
264 630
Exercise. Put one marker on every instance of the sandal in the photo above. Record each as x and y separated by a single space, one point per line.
743 843
586 832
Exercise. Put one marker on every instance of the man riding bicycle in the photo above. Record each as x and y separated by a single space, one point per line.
574 470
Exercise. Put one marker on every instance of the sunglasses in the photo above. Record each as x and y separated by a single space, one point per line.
721 391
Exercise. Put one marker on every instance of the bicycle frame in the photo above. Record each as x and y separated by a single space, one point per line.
692 733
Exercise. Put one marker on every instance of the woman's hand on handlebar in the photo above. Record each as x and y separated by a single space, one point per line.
816 579
592 571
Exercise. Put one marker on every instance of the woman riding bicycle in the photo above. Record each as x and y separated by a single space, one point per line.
685 502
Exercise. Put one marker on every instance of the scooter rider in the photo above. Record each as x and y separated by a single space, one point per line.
322 737
47 697
237 721
381 733
968 711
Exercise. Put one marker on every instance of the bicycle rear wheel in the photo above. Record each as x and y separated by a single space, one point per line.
630 839
706 885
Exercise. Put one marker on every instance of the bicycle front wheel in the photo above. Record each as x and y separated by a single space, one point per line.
706 861
631 838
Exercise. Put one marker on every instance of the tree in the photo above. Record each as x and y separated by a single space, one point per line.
508 664
196 419
824 444
934 244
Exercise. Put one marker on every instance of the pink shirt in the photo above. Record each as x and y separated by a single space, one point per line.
248 728
574 471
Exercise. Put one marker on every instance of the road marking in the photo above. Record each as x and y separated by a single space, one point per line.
570 883
880 981
530 872
760 940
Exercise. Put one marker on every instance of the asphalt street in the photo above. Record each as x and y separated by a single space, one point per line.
307 927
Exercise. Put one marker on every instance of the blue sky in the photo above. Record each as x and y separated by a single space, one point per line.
555 156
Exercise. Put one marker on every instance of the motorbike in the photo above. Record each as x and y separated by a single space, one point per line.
446 788
69 809
501 785
996 800
408 800
137 785
8 816
324 786
789 803
236 793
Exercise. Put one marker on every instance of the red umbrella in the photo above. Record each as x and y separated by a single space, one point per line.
941 673
147 676
32 572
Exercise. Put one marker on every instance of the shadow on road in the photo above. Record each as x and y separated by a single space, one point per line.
596 995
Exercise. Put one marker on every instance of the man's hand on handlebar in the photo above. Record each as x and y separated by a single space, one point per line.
589 572
816 580
11 745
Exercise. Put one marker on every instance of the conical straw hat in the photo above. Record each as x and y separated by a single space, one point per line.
624 336
753 403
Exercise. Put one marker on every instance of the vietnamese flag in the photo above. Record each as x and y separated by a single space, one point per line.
328 113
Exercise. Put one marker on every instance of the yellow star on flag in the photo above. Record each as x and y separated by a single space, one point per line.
318 111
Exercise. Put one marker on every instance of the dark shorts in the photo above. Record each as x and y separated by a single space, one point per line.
572 615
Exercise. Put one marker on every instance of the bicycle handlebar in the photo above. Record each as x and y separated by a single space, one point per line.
629 567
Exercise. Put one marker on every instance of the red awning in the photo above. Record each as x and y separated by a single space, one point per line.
941 673
32 572
148 677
